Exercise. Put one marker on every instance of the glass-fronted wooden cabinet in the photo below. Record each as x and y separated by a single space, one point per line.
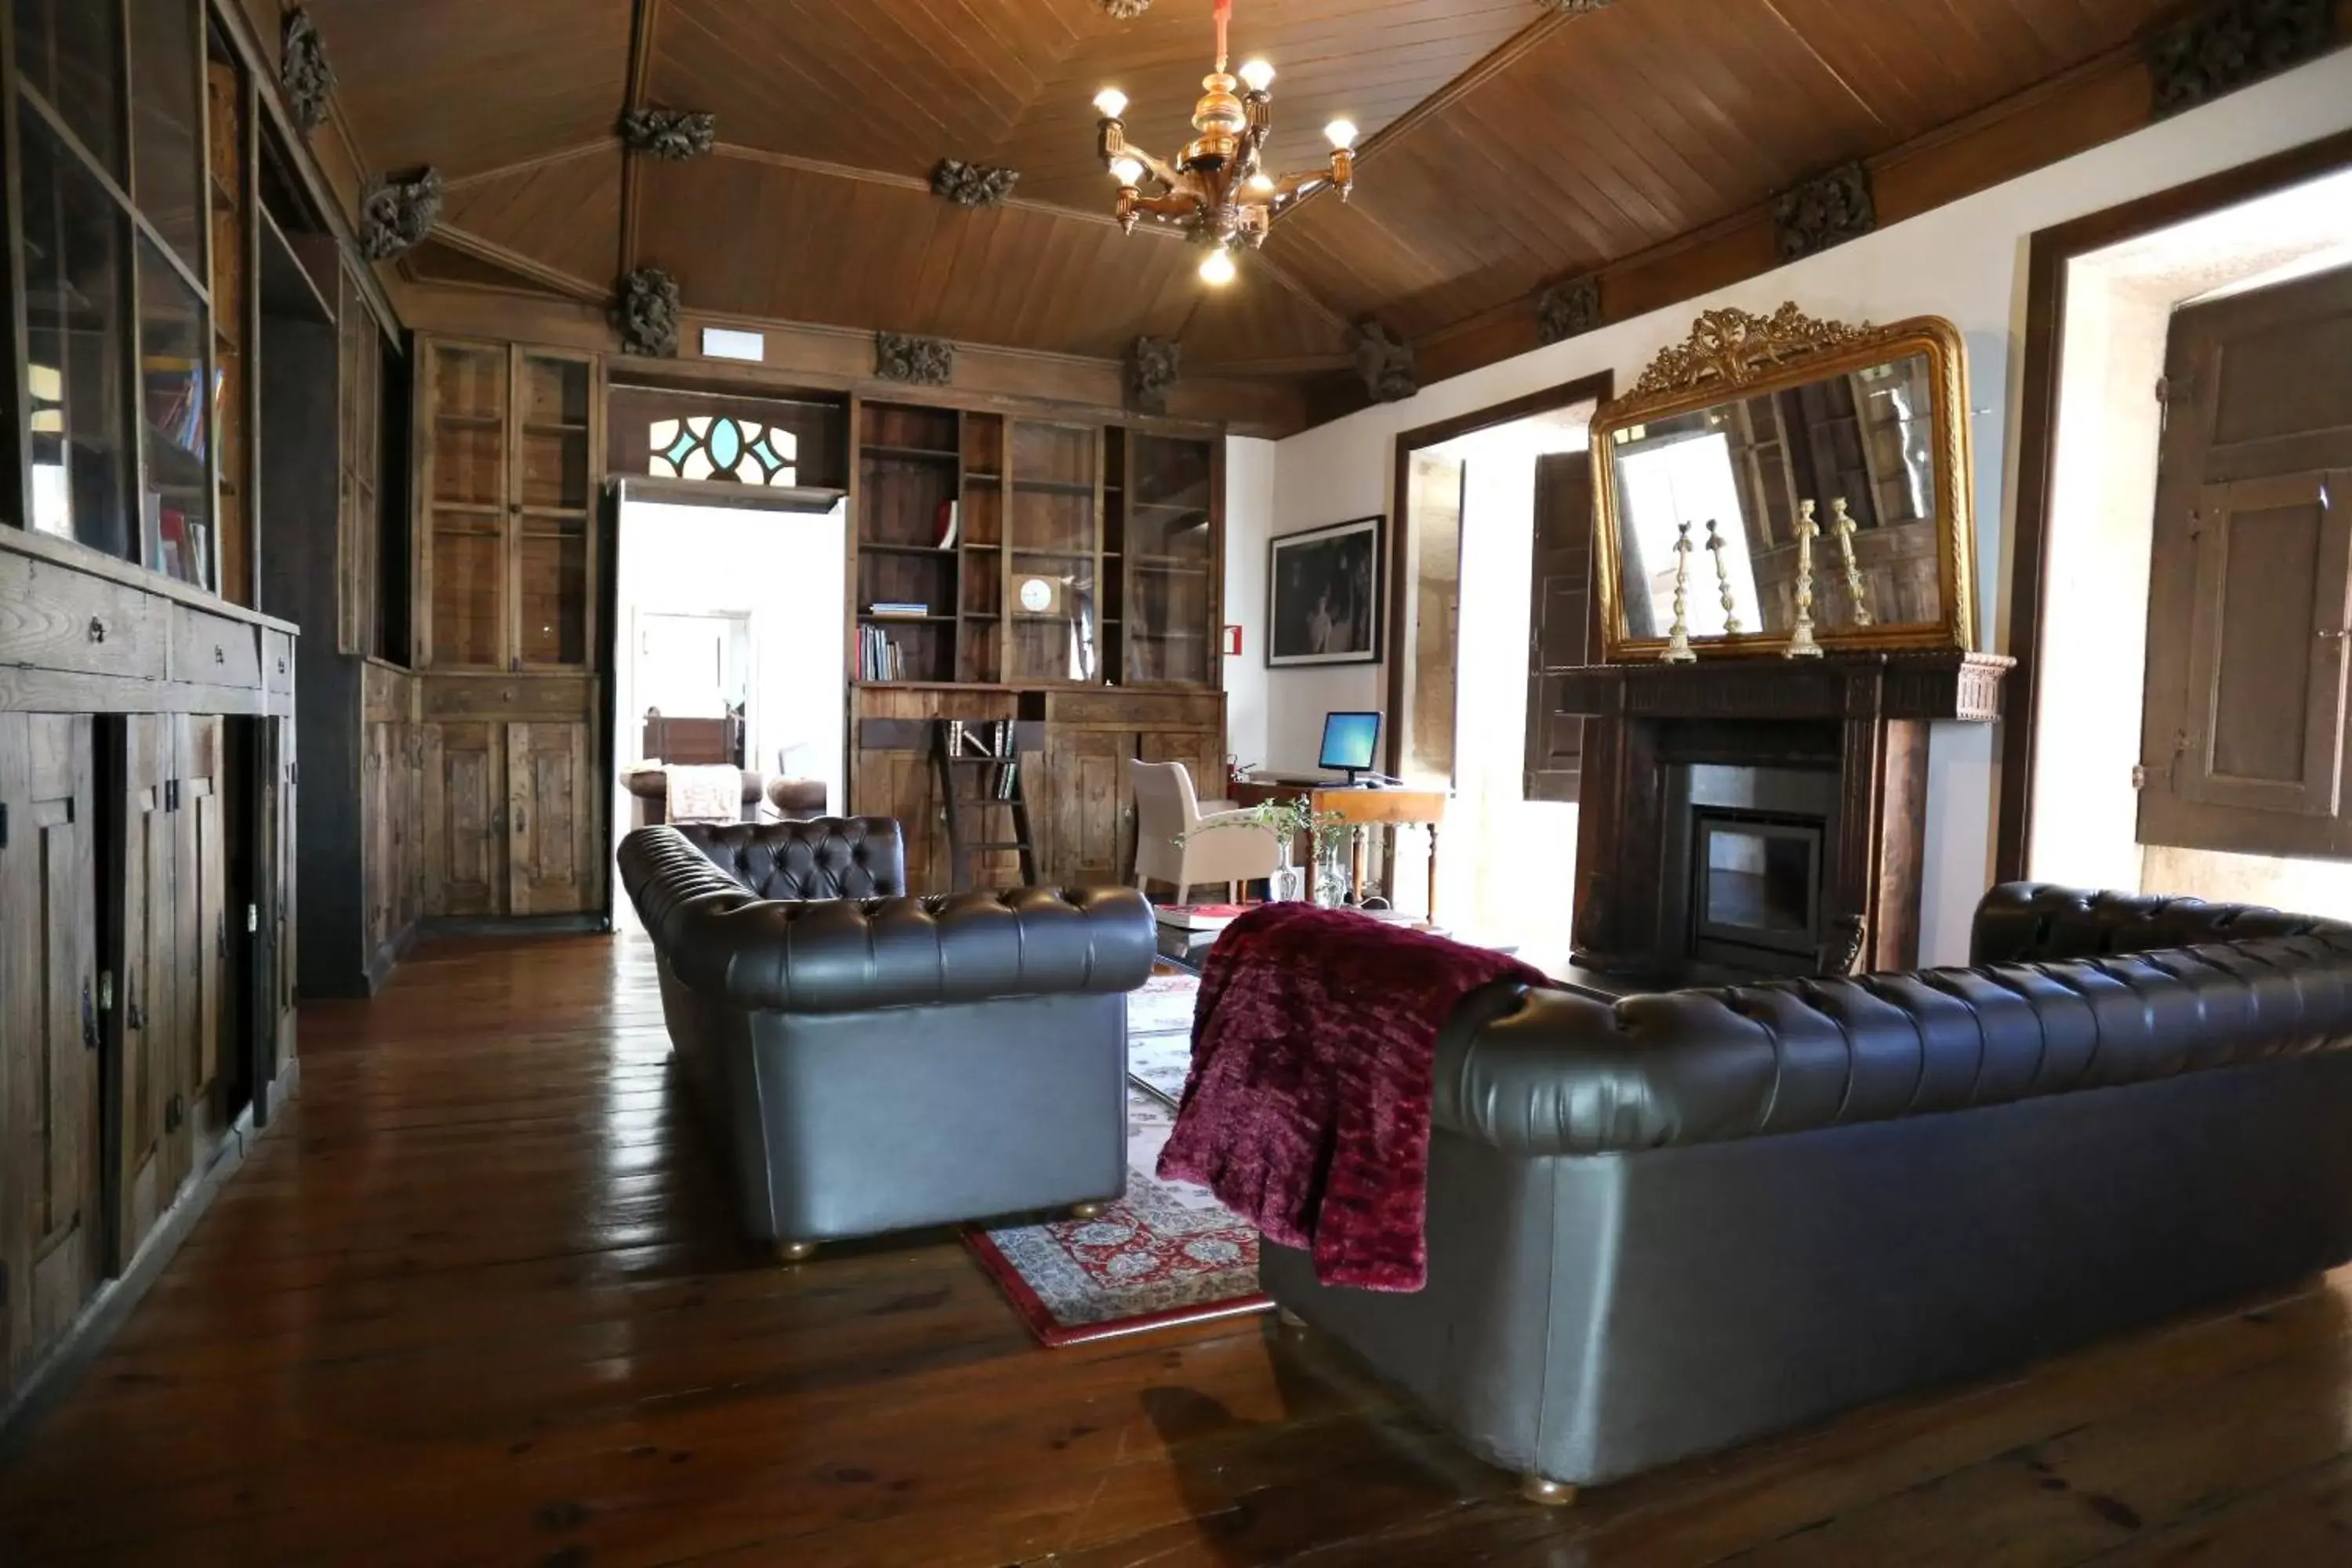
509 440
1054 559
1161 521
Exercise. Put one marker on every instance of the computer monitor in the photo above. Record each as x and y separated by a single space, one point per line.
1348 741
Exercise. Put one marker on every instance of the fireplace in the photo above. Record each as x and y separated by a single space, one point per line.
1746 850
1748 816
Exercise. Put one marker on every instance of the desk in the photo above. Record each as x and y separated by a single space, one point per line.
1387 809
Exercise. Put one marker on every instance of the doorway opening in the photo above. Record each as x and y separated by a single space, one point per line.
1482 504
2187 726
729 627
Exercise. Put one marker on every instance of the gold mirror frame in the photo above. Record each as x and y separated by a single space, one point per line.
1731 354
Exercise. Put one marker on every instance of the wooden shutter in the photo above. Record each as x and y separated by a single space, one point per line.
2243 741
1563 622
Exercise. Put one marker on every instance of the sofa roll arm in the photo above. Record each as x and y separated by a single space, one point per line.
1538 1071
2033 922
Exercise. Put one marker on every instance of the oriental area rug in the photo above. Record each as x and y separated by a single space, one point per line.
1168 1252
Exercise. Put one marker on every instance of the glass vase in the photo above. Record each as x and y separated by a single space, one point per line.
1331 870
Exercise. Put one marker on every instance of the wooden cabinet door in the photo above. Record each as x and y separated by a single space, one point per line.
379 863
200 915
276 917
147 991
49 1179
465 842
552 861
464 611
1086 803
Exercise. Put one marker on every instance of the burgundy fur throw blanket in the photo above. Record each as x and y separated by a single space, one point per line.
1306 1111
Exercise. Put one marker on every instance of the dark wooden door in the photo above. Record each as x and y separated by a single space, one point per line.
147 992
464 819
1563 622
550 819
49 1184
2250 594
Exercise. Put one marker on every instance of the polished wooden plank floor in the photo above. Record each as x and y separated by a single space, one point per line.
477 1301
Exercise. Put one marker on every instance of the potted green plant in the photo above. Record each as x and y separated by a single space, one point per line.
1290 820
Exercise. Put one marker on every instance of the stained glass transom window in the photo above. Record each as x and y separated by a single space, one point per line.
714 447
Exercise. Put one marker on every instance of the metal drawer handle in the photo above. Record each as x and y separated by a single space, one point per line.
97 630
282 667
219 655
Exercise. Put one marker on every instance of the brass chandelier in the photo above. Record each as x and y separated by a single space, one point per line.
1217 193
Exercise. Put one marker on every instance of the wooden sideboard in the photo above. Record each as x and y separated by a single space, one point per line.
147 920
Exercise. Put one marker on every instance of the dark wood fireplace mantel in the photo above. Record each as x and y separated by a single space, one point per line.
1862 716
1928 685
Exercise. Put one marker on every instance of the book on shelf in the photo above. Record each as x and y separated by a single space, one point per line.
879 658
947 521
897 608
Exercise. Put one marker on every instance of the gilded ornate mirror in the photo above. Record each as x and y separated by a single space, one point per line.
1777 477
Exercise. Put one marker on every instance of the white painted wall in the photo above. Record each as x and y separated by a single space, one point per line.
1249 521
716 560
1965 261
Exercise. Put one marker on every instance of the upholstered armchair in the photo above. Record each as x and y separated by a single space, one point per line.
1170 843
869 1062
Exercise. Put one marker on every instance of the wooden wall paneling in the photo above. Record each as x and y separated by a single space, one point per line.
51 1224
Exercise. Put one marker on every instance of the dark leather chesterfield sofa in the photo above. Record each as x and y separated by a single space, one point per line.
871 1061
1668 1225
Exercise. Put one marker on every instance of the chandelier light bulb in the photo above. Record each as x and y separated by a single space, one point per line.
1127 170
1111 103
1258 74
1261 181
1342 134
1217 268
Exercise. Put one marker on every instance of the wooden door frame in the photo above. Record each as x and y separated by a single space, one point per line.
2051 253
1600 387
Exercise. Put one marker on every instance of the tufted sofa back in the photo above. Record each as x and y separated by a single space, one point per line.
2072 990
828 857
853 954
2022 923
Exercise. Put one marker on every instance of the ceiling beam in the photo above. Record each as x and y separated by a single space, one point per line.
642 25
553 278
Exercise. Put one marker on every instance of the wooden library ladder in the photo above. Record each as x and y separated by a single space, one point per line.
981 784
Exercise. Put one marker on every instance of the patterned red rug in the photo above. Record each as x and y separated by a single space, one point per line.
1166 1253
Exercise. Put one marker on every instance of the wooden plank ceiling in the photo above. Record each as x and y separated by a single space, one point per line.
1512 143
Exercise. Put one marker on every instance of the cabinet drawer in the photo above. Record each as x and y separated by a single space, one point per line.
500 697
213 650
276 661
54 617
1131 709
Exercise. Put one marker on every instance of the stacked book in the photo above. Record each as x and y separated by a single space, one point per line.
897 608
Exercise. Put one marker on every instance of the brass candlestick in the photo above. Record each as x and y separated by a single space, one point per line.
1800 641
1679 648
1723 579
1842 523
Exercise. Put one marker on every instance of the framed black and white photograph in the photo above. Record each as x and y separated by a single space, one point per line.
1323 593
